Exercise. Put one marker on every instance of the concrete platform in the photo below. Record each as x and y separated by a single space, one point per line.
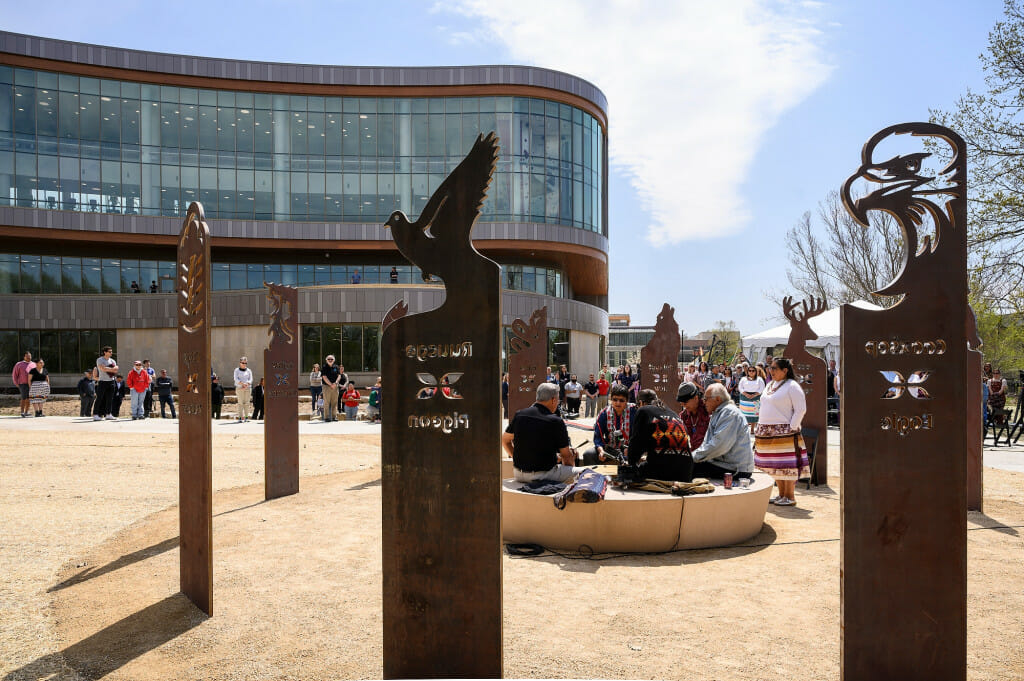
631 521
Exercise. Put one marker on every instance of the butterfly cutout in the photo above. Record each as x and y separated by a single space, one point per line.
911 384
446 388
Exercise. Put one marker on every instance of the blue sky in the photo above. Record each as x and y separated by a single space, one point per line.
728 120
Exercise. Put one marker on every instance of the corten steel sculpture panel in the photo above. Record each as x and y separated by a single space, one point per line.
904 421
812 372
975 433
659 359
195 427
281 394
527 360
442 421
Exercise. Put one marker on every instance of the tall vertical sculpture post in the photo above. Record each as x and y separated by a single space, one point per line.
659 359
281 394
440 492
812 372
195 427
975 431
904 435
527 360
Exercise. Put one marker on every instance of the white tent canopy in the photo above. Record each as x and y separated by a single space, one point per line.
825 325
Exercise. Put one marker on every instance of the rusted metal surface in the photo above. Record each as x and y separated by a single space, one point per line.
439 445
527 360
905 408
281 394
975 434
659 359
812 374
195 427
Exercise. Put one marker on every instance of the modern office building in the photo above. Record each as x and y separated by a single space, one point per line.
297 166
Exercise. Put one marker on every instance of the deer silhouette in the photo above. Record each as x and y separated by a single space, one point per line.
800 328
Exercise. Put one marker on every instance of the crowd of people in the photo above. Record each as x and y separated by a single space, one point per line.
731 420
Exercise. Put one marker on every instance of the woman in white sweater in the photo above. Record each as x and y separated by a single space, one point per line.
779 449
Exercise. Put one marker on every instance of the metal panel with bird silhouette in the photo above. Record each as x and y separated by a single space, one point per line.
440 444
904 420
527 357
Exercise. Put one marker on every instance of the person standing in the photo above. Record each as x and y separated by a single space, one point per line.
164 386
996 396
316 386
504 395
147 404
120 392
356 277
590 390
38 386
243 388
106 371
330 376
20 378
258 394
603 386
86 394
373 408
751 386
394 275
573 396
351 401
216 397
779 448
138 384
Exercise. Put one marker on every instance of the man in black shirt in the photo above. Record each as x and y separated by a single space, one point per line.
333 376
164 384
660 434
590 388
538 441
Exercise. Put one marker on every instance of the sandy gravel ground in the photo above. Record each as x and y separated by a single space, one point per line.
90 589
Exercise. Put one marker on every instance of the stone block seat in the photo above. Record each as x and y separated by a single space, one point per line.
632 521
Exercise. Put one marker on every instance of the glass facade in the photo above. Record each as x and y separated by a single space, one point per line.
65 352
356 346
20 273
86 144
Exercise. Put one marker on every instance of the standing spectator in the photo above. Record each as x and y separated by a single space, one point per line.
138 384
216 397
573 396
351 401
627 379
106 370
590 390
153 288
751 386
690 375
603 386
257 401
243 388
164 385
504 394
373 408
135 287
147 404
120 392
394 275
86 393
316 386
996 396
356 277
20 378
608 375
38 386
330 376
779 448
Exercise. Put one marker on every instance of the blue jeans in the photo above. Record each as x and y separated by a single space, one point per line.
138 404
351 413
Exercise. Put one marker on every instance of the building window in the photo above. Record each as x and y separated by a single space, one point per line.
65 352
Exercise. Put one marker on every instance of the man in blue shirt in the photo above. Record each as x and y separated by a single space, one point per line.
726 447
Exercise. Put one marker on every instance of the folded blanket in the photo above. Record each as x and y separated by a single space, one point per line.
679 489
588 487
546 487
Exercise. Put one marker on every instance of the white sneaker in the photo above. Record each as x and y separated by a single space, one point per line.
97 417
111 418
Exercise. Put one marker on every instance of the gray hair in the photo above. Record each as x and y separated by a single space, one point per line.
717 390
546 391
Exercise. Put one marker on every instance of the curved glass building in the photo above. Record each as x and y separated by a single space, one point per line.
297 166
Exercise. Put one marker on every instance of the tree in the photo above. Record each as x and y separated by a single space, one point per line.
992 125
836 258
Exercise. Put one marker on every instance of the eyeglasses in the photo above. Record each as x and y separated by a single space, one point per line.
243 362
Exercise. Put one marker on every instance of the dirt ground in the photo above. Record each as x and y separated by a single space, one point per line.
90 588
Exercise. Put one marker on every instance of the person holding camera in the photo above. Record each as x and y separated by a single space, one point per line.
612 429
538 441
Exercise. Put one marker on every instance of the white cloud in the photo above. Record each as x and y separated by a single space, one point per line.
692 88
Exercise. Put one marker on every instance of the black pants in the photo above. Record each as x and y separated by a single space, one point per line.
147 404
87 402
115 406
165 400
215 408
573 404
257 409
706 469
104 398
675 467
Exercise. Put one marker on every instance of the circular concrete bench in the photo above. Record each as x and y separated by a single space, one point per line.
632 521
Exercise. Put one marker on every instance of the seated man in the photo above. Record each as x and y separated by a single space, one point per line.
694 414
659 433
612 428
726 447
538 441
